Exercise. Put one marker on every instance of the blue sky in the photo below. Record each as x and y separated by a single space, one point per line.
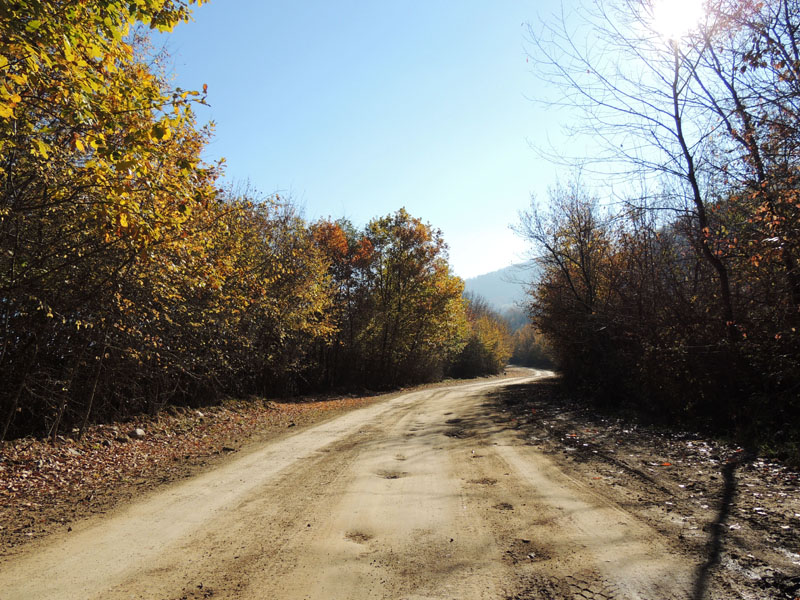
356 109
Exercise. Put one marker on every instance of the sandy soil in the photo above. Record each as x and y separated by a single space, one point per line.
439 493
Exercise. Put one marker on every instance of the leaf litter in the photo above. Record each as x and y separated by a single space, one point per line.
44 487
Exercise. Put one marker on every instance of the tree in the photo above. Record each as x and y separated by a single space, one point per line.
399 310
417 316
350 255
488 345
578 285
642 110
100 166
702 264
530 348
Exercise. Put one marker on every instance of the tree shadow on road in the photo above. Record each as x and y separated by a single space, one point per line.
717 528
548 419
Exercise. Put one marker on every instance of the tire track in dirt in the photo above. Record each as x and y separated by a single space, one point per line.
102 553
563 540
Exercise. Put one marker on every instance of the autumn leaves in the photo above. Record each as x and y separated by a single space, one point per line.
129 279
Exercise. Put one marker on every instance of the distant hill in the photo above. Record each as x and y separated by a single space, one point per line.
503 289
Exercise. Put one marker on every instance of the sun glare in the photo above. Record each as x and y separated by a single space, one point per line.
673 19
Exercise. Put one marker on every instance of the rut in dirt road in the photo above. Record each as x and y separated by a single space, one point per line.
423 496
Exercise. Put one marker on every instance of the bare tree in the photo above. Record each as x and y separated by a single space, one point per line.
642 104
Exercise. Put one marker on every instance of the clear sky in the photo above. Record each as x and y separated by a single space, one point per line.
358 108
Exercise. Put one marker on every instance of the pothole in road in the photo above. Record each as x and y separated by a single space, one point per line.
392 474
524 551
459 433
484 481
453 421
359 537
504 506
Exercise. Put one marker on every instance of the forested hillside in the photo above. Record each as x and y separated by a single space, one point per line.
130 279
683 300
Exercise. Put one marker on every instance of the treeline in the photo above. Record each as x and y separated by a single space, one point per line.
489 343
399 316
129 280
530 348
684 302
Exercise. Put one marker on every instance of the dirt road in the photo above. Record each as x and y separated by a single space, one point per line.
421 496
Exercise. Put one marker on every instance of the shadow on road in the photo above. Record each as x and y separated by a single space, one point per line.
560 427
717 528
